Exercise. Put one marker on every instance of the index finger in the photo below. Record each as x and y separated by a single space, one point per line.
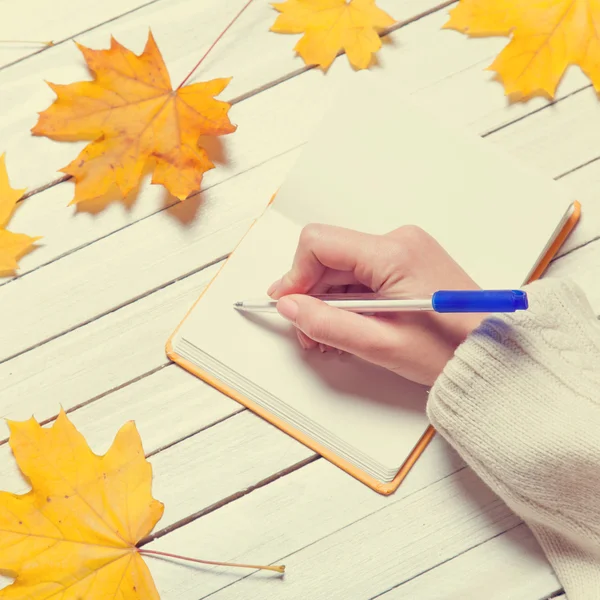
326 247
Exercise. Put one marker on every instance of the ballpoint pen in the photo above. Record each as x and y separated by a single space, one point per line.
442 301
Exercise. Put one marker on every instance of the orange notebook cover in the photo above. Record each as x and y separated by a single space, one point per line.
502 223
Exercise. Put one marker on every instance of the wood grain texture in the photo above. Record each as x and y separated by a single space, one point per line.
511 566
479 103
63 231
169 246
443 529
184 29
65 19
138 236
393 540
199 471
581 266
106 355
146 400
471 99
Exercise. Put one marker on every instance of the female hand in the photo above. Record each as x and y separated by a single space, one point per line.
407 261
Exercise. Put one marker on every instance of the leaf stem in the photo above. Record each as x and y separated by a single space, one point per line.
215 43
36 42
277 568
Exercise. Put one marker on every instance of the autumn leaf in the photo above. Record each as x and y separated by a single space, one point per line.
12 245
330 26
74 534
547 37
135 121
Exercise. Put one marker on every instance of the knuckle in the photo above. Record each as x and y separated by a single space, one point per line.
404 244
411 235
310 234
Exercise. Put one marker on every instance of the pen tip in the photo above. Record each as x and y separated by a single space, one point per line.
238 305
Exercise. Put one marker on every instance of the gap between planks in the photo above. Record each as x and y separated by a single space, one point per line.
299 465
128 302
72 37
228 499
292 74
241 97
288 471
158 368
557 594
443 562
265 87
255 92
262 483
237 495
147 216
386 507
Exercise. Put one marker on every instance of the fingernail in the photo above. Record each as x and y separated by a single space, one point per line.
273 287
305 341
302 342
288 308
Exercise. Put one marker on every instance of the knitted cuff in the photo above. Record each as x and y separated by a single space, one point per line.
505 397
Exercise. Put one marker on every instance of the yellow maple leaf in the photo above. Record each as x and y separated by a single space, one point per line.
136 121
12 245
547 37
330 26
74 534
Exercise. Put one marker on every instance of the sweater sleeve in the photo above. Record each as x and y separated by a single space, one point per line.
520 401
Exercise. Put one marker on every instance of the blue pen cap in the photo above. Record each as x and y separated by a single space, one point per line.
479 301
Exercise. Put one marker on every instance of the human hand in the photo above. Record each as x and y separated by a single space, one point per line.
407 261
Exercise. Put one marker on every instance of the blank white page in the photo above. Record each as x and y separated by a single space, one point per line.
369 408
378 161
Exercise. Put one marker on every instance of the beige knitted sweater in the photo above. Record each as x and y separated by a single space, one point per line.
520 401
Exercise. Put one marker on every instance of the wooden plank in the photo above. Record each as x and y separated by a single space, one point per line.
109 354
63 229
424 56
235 454
170 245
184 29
68 19
145 400
511 566
470 100
570 125
448 55
62 21
422 470
225 461
140 238
334 542
581 266
269 528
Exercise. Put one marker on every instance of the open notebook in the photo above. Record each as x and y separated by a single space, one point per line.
371 166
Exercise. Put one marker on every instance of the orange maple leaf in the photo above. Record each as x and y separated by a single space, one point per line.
12 245
547 37
135 121
74 534
330 26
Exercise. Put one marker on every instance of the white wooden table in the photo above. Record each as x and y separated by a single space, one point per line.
85 322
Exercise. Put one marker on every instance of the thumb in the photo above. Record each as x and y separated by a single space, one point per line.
366 337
